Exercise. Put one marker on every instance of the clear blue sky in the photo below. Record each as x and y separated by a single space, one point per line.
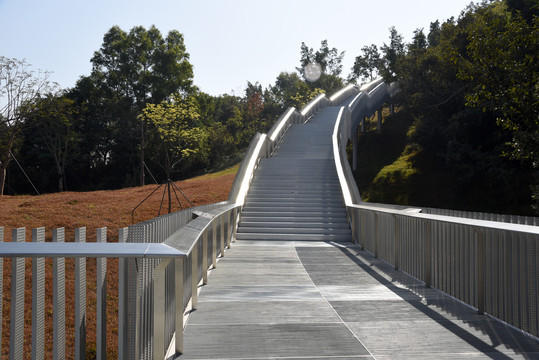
230 42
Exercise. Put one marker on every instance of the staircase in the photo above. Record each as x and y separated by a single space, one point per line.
295 194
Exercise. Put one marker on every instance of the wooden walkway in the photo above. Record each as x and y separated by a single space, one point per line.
294 286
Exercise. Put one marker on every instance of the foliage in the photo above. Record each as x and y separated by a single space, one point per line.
471 87
138 112
19 88
51 126
172 128
329 59
366 66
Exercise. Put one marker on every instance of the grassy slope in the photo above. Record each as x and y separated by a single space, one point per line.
392 170
92 210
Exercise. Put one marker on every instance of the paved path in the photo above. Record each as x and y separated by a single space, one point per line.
293 286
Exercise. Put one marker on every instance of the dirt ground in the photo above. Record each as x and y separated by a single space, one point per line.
97 209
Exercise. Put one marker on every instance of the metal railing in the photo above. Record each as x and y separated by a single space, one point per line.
490 265
160 260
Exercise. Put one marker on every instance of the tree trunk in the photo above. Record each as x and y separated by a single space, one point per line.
2 179
60 183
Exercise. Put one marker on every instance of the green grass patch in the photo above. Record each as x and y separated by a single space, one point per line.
230 171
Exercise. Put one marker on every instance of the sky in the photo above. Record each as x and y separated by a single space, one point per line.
229 42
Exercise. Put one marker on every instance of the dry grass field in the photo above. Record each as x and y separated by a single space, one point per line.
111 209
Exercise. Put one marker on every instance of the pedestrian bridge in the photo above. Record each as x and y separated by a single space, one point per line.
296 266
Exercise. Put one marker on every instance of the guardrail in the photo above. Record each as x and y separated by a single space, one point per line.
490 265
160 260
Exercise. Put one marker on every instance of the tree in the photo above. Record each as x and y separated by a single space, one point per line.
131 70
19 88
366 65
392 54
173 132
434 34
329 59
53 116
419 41
503 50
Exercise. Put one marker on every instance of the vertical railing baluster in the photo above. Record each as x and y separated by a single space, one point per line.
159 290
101 264
80 299
214 244
396 249
122 300
178 289
38 299
58 299
428 255
194 277
205 257
221 221
16 334
480 271
376 235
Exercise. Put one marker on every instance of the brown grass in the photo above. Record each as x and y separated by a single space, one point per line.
111 209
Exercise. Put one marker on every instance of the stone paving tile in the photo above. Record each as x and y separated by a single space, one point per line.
306 340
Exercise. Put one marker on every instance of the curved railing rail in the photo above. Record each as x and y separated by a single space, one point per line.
490 265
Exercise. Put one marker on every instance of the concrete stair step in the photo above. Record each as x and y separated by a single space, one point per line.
293 230
289 224
314 201
305 218
294 237
327 210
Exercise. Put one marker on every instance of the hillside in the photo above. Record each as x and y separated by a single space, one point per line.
394 168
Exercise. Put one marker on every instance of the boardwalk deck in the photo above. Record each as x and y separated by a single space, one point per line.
286 291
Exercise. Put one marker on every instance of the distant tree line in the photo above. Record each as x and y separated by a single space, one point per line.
138 117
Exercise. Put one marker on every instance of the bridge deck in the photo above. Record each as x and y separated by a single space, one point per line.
294 286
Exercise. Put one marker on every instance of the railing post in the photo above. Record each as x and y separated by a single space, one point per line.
363 229
101 264
58 299
80 299
396 253
228 234
16 334
221 221
178 290
428 255
194 277
376 235
214 244
38 299
122 300
480 270
354 216
205 257
159 310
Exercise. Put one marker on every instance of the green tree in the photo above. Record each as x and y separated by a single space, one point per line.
131 70
392 54
174 133
290 90
419 41
366 65
329 59
433 37
503 51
